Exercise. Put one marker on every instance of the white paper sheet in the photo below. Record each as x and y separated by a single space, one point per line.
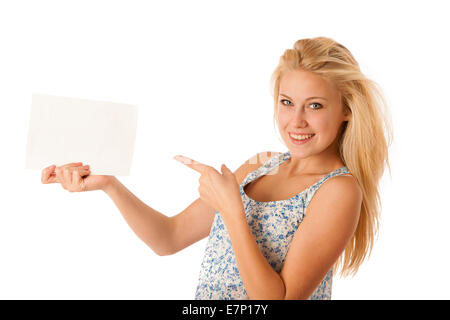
64 130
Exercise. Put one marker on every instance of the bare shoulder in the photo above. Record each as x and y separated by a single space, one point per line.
253 163
348 186
339 191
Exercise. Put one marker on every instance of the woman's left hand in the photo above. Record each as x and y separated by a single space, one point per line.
221 191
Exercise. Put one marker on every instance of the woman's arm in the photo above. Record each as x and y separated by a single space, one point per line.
151 226
332 218
167 235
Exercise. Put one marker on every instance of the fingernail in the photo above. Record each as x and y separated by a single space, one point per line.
183 160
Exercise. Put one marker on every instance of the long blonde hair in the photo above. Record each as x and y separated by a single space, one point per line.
364 140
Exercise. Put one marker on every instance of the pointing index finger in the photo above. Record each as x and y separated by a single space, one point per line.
197 166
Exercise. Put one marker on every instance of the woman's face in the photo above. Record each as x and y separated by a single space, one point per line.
309 104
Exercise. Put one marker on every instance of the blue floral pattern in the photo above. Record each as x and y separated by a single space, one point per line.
273 225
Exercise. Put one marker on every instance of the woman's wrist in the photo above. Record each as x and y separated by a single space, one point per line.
110 183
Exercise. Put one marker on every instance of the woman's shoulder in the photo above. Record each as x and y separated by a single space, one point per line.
343 185
341 191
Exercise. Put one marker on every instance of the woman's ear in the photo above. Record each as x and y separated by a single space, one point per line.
347 114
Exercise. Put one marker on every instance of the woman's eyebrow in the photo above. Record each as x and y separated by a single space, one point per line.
281 94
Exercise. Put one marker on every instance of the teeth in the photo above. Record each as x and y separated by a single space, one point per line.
301 137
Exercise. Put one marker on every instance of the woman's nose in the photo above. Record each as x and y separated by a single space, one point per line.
300 118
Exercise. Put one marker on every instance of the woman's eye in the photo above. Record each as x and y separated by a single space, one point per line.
314 104
284 100
317 105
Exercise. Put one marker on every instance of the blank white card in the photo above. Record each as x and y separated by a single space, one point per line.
65 130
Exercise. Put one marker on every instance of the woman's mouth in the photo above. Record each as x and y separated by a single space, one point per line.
301 139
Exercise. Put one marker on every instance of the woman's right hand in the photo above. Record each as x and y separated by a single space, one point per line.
74 177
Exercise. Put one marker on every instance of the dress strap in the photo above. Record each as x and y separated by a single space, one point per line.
268 165
338 172
312 190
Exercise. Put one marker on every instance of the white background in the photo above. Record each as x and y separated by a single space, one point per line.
199 72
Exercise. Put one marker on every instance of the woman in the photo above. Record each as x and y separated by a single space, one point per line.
282 223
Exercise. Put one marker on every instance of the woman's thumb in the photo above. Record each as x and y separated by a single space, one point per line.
225 169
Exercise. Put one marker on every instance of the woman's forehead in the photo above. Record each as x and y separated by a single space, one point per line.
301 84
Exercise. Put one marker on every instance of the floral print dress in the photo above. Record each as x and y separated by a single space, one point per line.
273 225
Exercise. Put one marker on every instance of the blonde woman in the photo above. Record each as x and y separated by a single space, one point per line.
283 223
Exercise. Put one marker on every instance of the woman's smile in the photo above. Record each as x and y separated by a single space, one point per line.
298 140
